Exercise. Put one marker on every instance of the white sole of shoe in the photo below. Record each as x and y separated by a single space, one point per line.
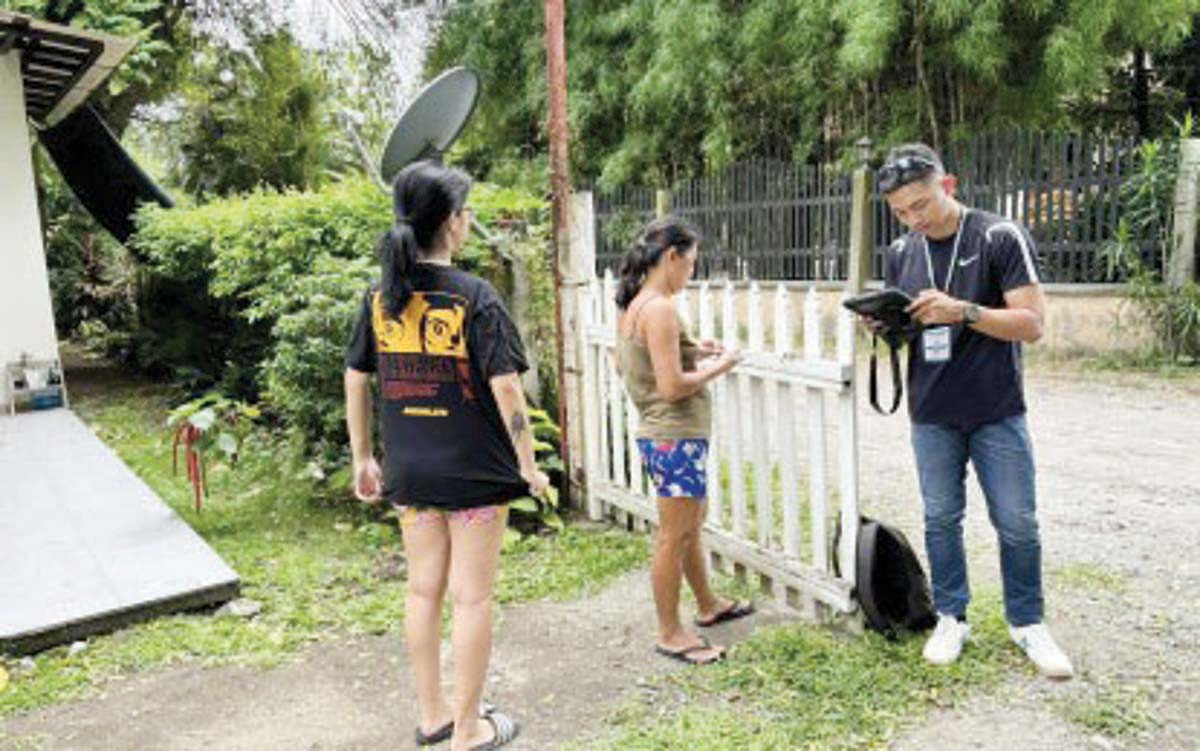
1055 675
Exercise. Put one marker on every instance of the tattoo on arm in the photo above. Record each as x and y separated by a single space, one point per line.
518 424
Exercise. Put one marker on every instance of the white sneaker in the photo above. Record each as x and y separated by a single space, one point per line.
1039 646
947 641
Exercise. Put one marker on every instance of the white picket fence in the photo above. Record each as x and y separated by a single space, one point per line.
777 493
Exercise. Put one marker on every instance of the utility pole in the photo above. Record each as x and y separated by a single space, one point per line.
560 183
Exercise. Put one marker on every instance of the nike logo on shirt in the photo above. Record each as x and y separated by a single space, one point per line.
969 261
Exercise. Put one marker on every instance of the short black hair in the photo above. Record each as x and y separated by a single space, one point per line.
906 164
916 149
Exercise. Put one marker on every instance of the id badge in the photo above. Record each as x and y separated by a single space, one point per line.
936 343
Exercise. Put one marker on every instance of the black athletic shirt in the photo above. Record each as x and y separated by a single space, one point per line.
444 442
982 381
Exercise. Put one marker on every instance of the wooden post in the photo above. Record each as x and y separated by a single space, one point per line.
578 269
861 249
560 181
716 450
862 245
1181 263
736 398
847 451
818 485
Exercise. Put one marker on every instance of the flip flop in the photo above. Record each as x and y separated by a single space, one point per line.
737 609
685 655
445 731
441 734
506 727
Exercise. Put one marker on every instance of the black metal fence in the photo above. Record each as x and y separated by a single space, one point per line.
778 220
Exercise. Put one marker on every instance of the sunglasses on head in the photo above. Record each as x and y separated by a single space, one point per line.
902 171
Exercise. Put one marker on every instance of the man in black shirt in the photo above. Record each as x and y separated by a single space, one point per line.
974 277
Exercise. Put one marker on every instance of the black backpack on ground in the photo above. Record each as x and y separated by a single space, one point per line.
892 589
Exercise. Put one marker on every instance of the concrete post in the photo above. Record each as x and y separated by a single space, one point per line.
662 203
1181 262
861 231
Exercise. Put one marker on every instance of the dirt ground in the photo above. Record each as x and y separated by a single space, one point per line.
1118 459
1119 491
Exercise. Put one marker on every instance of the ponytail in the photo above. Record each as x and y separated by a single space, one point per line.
424 195
659 236
398 258
634 265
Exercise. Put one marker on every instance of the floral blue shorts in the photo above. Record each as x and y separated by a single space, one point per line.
676 467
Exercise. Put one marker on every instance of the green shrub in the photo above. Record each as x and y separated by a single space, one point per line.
303 375
218 276
255 295
1173 312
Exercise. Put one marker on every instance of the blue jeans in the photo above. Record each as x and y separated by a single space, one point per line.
1002 456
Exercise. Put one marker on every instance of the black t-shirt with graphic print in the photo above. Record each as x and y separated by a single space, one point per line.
444 441
982 380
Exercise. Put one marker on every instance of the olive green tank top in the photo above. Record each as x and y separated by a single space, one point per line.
690 417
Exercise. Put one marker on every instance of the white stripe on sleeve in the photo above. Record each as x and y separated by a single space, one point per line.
1026 253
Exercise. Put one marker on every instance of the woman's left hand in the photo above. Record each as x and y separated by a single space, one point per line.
368 481
538 481
711 348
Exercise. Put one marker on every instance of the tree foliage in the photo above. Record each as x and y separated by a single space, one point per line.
664 88
254 117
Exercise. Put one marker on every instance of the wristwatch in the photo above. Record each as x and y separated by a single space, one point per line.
972 313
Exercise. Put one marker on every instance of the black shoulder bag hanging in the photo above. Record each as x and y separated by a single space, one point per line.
896 327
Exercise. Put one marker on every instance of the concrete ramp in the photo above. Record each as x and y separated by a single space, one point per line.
85 545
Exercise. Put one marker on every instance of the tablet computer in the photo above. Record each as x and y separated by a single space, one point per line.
881 303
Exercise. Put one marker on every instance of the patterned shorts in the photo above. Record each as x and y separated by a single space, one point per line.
467 517
676 467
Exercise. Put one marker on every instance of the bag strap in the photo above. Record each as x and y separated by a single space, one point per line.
897 382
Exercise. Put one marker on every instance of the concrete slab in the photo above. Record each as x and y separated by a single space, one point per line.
85 545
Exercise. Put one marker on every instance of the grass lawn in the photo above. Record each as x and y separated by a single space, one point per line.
800 686
321 564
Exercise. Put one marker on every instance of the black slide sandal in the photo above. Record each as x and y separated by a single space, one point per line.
441 734
737 609
685 655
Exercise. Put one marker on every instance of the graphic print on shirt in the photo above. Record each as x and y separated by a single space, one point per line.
423 358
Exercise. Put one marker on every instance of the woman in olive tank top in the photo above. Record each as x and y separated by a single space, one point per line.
667 374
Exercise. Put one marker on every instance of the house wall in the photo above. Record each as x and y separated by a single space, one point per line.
26 315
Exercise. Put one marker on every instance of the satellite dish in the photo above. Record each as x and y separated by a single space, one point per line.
431 122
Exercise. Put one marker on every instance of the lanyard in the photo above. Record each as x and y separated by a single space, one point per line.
962 221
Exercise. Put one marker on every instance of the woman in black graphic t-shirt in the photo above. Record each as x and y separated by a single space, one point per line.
457 444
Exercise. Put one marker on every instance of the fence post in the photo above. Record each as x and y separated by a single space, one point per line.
1181 264
577 271
861 245
662 203
861 249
